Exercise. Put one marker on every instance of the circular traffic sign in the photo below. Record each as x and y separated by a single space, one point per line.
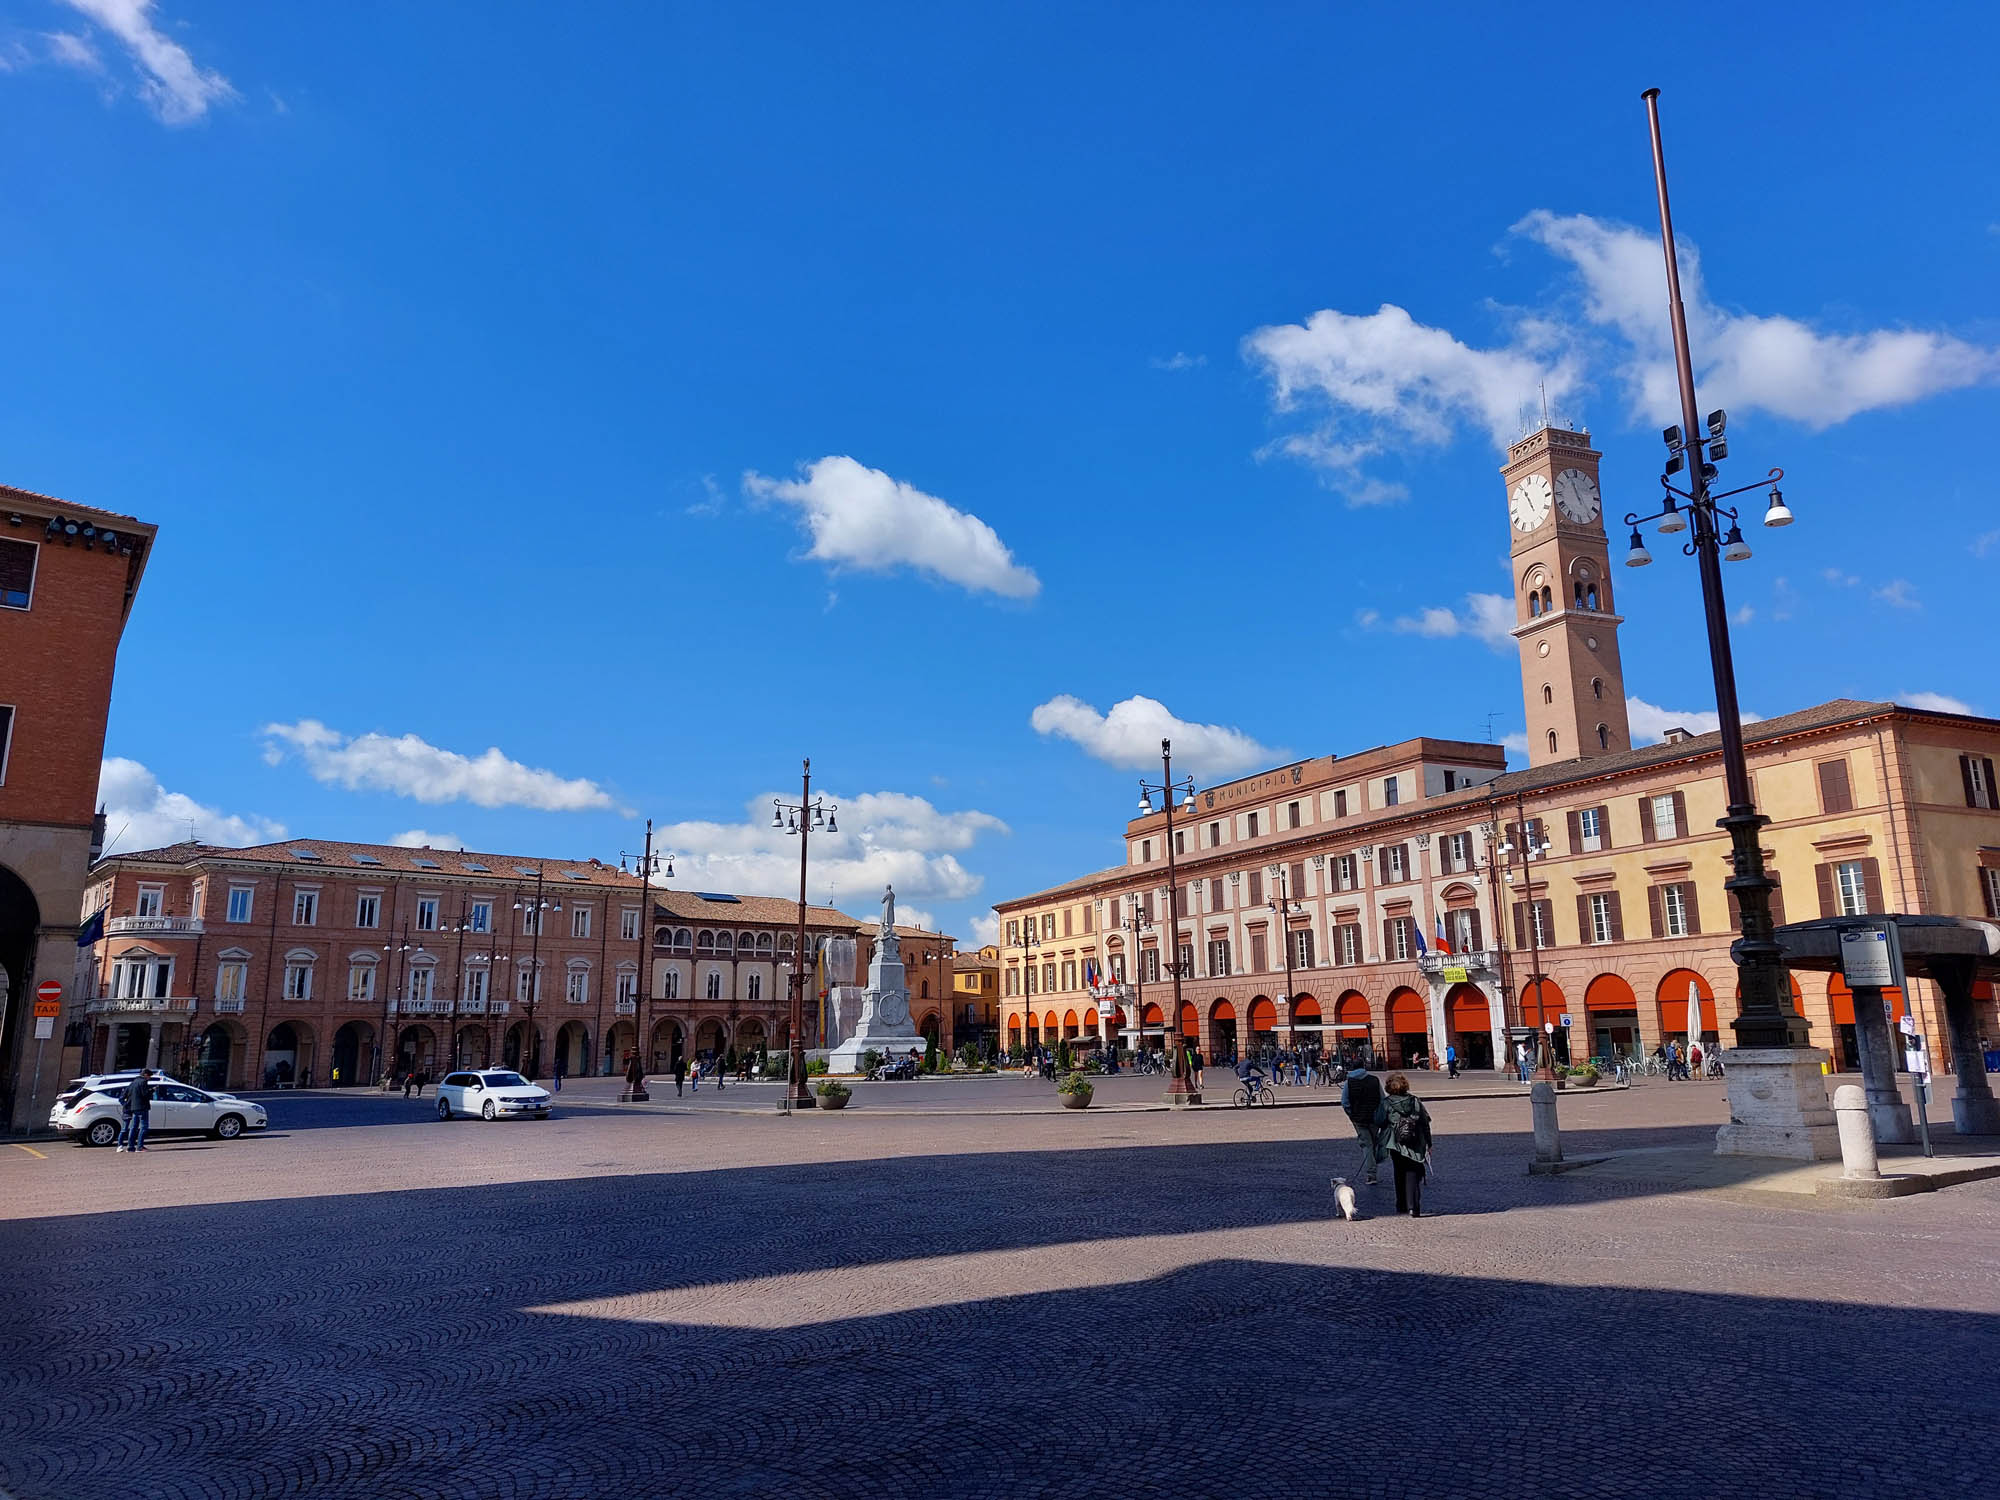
49 989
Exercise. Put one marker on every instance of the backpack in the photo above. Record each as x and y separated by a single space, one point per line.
1406 1129
1364 1097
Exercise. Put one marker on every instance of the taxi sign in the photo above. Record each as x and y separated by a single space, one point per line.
48 999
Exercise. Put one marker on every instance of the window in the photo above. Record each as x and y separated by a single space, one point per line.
714 986
1456 850
152 900
239 903
1048 979
1302 949
1250 825
1014 931
1089 915
1851 887
1145 851
1030 973
423 985
475 987
1180 841
628 987
1215 897
1396 931
367 911
576 990
1260 958
232 980
1548 693
527 985
579 921
142 977
1391 793
628 924
1048 926
361 984
755 988
1587 830
1218 957
481 918
1674 911
1347 872
1663 817
1597 687
1976 770
1069 974
298 981
1347 944
1395 863
427 914
17 573
1552 742
1599 918
1149 965
1256 887
1291 815
1069 921
1534 604
670 985
1603 737
1340 804
1214 834
1534 924
1989 886
1463 929
1835 795
305 908
531 923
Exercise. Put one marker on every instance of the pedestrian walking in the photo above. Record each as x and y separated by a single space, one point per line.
1194 1065
138 1104
1361 1097
680 1074
1408 1138
409 1079
1451 1061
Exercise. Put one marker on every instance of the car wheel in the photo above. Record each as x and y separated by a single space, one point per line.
228 1128
102 1133
487 1111
444 1108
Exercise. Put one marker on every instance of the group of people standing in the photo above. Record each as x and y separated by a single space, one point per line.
1390 1123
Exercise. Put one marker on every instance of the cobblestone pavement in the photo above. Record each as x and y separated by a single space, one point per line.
1090 1304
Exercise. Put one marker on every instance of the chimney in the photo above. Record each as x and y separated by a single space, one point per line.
1674 735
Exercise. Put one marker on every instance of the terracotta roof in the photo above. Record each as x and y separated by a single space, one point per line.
754 911
922 933
20 499
1069 885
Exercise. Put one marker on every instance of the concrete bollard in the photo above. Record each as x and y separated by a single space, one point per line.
1548 1136
1857 1132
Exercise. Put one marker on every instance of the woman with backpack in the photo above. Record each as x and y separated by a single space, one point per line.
1408 1135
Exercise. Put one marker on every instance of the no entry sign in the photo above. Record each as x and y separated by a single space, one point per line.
48 998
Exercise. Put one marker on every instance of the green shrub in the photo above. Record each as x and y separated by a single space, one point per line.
1074 1083
833 1088
870 1060
815 1066
1063 1056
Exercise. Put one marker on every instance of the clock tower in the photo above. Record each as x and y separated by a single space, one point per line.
1571 680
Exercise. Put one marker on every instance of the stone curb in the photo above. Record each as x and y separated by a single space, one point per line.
1903 1185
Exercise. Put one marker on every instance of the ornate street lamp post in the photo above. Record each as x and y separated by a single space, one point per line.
538 910
799 819
1765 1015
646 864
1282 906
1531 848
1180 1086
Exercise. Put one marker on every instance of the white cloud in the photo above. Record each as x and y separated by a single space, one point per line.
423 838
1516 742
1179 361
1129 737
73 50
884 838
985 929
1937 703
1744 614
1899 593
1379 381
1486 617
1650 722
139 813
1984 542
412 767
1839 579
862 518
173 84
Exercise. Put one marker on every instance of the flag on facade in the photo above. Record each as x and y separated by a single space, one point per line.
91 930
1417 936
1443 942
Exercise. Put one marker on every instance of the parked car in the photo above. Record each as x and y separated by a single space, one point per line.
93 1111
491 1095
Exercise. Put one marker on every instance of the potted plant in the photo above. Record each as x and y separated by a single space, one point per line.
833 1094
1075 1090
1584 1077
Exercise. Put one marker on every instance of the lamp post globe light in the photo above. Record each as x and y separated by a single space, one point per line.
1180 1084
1137 924
798 820
645 864
1766 1017
1284 907
535 910
1518 848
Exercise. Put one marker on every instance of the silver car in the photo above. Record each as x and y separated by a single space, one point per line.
492 1095
93 1110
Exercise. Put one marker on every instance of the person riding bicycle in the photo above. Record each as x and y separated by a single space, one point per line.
1251 1071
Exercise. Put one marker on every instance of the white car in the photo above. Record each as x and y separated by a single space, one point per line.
93 1110
492 1095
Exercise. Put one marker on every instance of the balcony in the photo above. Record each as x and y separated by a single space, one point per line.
1434 964
627 1007
229 1007
169 1008
153 926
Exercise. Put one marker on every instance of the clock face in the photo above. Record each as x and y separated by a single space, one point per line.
1529 504
1576 493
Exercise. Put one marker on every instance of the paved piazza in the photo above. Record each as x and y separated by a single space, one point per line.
928 1294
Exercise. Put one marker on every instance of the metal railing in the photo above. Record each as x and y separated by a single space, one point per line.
164 926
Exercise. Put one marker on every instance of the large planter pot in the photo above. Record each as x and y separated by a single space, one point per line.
1077 1101
1584 1080
833 1101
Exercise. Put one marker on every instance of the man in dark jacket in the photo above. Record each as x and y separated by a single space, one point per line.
1361 1097
138 1104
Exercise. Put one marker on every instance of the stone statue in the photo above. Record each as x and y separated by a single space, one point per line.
889 909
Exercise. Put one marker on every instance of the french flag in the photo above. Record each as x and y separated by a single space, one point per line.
1443 942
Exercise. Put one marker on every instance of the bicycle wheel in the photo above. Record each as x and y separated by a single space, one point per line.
1241 1099
1266 1096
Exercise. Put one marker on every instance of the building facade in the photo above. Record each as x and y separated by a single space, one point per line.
975 997
323 963
68 577
1419 896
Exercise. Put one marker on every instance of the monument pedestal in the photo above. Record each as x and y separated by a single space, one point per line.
884 1023
1778 1105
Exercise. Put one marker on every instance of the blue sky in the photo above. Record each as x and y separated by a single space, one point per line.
557 417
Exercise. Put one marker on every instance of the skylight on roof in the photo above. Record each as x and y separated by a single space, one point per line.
366 859
426 864
717 896
305 854
524 870
478 868
574 875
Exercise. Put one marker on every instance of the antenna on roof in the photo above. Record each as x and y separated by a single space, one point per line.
1491 715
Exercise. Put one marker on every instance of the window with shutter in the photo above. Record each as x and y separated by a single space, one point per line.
1259 957
1298 874
1256 887
1978 774
1834 794
1989 887
1215 893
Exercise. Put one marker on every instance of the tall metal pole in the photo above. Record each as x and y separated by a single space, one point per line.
797 1095
1765 1016
1524 841
1180 1087
457 985
635 1072
530 1044
1284 910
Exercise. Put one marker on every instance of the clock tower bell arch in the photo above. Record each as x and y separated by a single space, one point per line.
1572 682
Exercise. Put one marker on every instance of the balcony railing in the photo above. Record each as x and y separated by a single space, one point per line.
229 1007
1434 962
627 1007
105 1005
157 926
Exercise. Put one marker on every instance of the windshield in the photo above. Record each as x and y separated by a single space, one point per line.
504 1080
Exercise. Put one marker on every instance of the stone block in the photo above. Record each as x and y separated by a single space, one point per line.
1777 1105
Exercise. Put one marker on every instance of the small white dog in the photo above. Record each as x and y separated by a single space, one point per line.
1344 1196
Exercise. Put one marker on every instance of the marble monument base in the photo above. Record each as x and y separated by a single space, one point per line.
1778 1105
846 1058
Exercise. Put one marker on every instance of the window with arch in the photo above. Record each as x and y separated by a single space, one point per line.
1590 595
705 943
763 942
1603 737
1534 604
746 942
670 988
1548 599
1548 693
1552 741
715 986
785 942
724 943
755 990
1597 687
684 940
1579 595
